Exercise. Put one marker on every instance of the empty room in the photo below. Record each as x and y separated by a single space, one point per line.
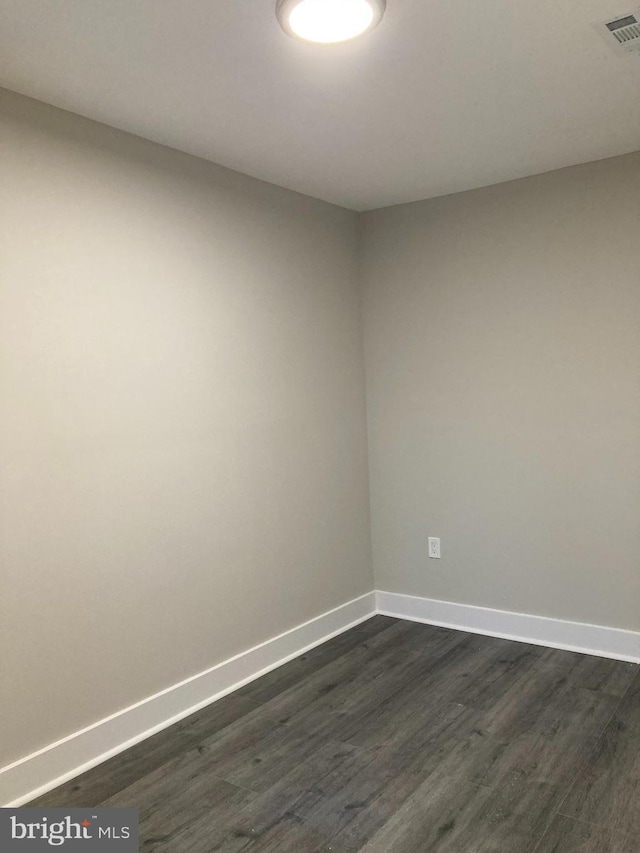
319 426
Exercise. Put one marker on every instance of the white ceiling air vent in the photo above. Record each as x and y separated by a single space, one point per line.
622 32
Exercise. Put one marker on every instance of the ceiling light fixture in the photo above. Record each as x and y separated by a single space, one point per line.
329 21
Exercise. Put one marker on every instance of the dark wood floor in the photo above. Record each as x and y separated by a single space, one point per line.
395 737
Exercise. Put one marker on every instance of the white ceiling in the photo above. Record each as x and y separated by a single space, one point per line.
443 96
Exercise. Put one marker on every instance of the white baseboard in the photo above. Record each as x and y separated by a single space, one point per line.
540 630
44 770
47 768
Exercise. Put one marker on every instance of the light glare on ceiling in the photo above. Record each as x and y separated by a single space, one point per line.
329 21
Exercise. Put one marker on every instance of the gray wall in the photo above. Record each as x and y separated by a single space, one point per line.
183 466
502 334
183 469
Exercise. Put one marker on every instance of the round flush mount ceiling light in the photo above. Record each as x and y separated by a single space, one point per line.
329 21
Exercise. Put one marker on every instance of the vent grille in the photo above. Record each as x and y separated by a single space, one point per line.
623 32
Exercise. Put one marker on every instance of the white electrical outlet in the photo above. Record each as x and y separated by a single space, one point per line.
434 547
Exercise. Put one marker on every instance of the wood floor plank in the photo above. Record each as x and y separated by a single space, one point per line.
524 704
629 708
454 815
341 669
255 753
356 808
201 836
254 822
569 836
279 680
374 625
607 791
356 683
500 666
105 780
593 673
170 803
374 704
289 835
443 681
557 744
286 835
267 821
342 785
305 786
